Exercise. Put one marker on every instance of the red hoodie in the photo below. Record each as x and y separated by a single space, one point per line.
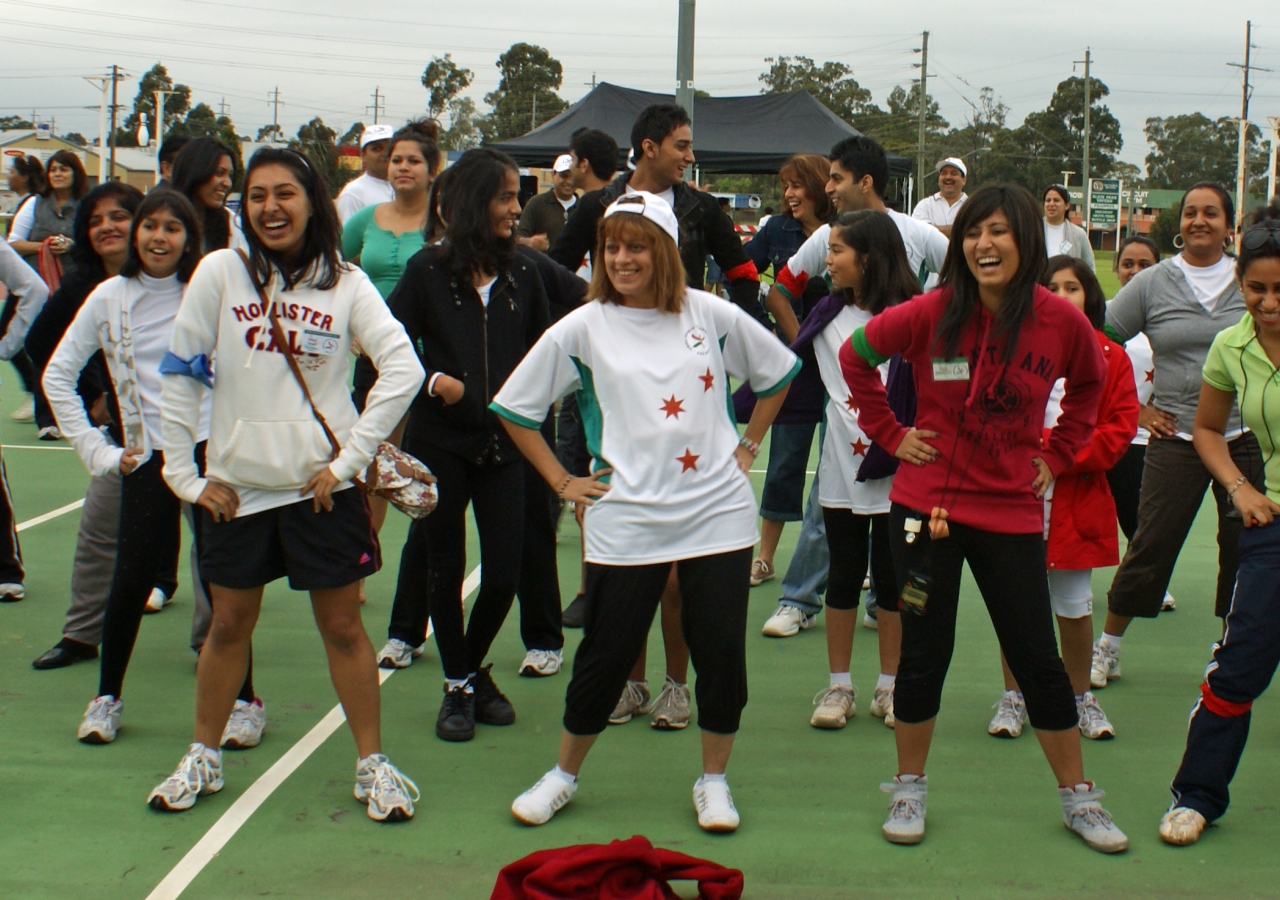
990 417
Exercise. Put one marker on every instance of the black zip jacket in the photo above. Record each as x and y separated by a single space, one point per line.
455 334
704 231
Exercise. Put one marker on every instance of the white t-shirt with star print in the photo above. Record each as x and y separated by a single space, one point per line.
653 394
846 445
1144 370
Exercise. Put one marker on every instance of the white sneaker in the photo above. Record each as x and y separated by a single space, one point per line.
157 601
633 702
1168 604
199 773
101 720
714 805
1011 712
882 705
540 663
1082 813
537 805
12 592
1093 721
835 706
761 571
26 412
384 789
670 710
1105 666
244 728
49 433
786 621
905 824
1181 826
398 655
870 622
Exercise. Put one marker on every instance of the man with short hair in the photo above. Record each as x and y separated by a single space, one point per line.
168 153
859 176
544 215
372 185
595 159
940 209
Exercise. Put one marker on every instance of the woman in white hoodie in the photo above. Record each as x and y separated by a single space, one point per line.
275 499
130 319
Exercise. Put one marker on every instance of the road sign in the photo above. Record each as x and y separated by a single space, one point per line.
1104 202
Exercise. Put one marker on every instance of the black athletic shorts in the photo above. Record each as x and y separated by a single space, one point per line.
316 550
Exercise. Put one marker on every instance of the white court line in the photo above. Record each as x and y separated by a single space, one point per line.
247 803
766 471
36 447
60 511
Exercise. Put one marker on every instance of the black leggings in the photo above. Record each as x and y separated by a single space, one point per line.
847 534
1010 572
148 538
620 603
496 494
1125 479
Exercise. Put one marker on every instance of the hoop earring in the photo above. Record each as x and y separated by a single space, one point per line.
1179 241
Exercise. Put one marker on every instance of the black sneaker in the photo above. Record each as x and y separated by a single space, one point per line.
457 719
575 613
492 708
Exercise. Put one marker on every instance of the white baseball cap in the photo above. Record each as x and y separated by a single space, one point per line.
376 133
651 206
563 163
954 162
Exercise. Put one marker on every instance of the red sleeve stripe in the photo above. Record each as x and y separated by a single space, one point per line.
747 270
790 283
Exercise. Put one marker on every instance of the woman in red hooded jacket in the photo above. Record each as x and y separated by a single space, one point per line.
1080 513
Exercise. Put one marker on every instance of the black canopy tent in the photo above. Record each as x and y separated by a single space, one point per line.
742 135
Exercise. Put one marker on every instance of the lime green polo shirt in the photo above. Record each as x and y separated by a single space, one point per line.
1237 363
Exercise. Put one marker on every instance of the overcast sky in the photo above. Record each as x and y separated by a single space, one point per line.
327 57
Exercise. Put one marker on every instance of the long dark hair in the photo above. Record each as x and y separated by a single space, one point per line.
181 209
887 279
474 181
30 168
434 229
1027 228
87 262
319 258
426 134
79 180
194 165
1095 302
1264 220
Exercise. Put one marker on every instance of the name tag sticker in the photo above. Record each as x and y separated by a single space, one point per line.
951 369
319 342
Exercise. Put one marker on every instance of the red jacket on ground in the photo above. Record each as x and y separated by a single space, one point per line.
989 420
1082 516
621 870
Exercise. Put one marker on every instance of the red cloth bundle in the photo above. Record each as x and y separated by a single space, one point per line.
621 870
50 266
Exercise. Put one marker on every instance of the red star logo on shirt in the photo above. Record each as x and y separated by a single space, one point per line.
673 407
1151 374
859 448
849 402
688 461
708 381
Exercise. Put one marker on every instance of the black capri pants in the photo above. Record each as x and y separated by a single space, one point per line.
847 534
620 604
1010 572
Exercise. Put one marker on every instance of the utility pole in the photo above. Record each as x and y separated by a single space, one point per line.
1088 108
1242 188
533 119
223 108
1272 160
924 81
592 82
101 82
115 81
275 115
684 56
379 104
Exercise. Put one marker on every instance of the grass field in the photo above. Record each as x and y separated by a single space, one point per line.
73 822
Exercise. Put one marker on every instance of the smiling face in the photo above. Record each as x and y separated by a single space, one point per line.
950 183
161 238
667 161
407 168
844 263
1204 226
802 206
213 193
1066 284
61 177
504 208
1055 208
1261 288
991 253
1133 260
277 207
109 232
562 184
848 194
374 156
628 261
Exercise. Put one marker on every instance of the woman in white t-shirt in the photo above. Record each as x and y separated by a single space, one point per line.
1061 235
868 268
650 361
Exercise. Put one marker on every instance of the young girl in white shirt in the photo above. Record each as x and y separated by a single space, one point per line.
650 361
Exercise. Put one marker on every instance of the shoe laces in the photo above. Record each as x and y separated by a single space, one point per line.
1092 813
1093 713
560 797
100 708
826 693
195 771
388 781
1007 706
906 807
455 700
484 685
703 798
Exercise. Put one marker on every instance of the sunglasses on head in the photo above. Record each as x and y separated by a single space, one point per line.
1259 235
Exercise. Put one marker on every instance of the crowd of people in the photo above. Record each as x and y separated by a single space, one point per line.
969 382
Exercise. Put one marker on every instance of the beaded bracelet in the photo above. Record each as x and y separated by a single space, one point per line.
560 490
749 445
1231 491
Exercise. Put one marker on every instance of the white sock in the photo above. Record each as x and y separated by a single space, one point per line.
644 684
708 777
1017 694
886 681
672 681
1112 639
841 679
454 683
564 776
1079 698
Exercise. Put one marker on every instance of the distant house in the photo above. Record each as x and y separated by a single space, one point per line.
134 165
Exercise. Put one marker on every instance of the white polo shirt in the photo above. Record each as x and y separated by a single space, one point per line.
937 211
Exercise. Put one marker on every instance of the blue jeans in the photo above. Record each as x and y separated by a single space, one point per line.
782 499
806 578
1244 662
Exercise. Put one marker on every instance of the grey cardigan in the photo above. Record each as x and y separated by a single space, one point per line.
1078 239
1159 303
